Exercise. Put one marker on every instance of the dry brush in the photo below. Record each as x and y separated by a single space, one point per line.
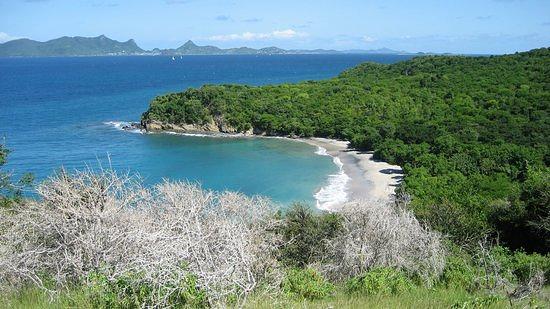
110 224
384 235
89 223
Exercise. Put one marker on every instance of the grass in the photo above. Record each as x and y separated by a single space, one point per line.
36 298
416 298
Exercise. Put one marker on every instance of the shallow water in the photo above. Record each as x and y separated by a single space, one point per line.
63 112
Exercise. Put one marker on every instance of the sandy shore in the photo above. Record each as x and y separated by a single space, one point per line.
369 179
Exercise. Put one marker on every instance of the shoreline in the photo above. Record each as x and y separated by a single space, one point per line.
369 180
360 177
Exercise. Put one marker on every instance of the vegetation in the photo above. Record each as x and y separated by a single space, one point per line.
302 234
380 281
69 46
104 240
416 298
306 283
11 192
471 133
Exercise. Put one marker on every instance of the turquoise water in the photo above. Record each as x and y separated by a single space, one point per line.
56 111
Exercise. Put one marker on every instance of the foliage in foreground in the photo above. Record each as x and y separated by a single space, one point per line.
306 283
418 297
471 133
128 245
11 192
105 241
110 232
380 281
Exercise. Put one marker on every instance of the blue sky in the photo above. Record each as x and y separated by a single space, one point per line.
461 26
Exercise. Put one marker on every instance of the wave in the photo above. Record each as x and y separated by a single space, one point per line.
210 135
321 151
120 125
188 134
335 192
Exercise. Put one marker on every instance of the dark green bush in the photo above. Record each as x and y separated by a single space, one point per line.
521 264
477 302
459 273
304 232
129 292
10 191
383 280
306 283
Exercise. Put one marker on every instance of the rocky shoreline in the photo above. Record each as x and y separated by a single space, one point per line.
213 127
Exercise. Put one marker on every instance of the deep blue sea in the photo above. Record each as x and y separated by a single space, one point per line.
57 112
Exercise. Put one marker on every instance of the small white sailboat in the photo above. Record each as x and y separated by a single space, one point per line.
173 58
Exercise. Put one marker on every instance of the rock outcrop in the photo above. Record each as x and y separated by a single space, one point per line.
218 125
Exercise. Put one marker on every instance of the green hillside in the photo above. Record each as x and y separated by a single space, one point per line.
471 133
69 46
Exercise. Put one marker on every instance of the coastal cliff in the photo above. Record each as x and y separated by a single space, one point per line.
210 127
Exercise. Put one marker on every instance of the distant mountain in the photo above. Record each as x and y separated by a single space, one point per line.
190 48
385 51
69 46
104 46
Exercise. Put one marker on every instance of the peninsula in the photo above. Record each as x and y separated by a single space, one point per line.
460 127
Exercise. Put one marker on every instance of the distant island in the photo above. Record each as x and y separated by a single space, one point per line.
104 46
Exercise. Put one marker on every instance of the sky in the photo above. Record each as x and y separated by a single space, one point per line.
461 26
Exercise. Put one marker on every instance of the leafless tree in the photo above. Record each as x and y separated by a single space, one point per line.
384 235
110 224
104 222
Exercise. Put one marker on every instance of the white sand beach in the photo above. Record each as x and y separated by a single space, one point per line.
368 179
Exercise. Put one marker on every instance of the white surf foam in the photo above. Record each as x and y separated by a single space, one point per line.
210 135
187 134
120 124
335 192
321 151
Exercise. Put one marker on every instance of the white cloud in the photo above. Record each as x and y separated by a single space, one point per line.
368 39
255 36
4 37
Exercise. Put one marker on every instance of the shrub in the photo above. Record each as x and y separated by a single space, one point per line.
477 302
383 235
88 223
123 292
459 273
11 192
304 233
306 283
383 280
493 268
522 265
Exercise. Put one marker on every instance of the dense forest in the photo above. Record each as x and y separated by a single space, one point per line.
471 133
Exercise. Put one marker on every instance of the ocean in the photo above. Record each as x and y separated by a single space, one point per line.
67 112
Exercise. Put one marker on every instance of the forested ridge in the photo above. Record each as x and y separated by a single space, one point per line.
471 133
